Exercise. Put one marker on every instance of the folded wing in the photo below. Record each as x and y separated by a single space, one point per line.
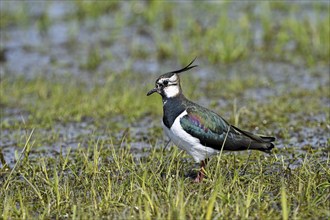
212 130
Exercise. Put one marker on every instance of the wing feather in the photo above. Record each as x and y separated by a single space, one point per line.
205 125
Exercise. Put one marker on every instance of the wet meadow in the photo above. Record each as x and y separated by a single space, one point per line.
81 140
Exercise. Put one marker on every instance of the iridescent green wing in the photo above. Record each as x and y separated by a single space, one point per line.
205 125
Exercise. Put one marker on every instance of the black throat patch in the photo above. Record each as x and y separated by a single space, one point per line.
172 108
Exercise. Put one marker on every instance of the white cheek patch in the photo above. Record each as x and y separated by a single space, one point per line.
171 91
173 78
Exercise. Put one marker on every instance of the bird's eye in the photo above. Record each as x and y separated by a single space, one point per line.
165 83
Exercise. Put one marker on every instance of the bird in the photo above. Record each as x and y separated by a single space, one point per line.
197 130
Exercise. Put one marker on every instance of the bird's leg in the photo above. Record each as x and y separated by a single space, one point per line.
247 163
166 145
201 173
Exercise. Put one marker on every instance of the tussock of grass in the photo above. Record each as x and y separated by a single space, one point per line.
87 9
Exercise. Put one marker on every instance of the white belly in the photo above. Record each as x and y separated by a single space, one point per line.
187 142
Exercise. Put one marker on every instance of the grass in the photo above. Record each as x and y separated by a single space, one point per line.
69 99
105 176
103 180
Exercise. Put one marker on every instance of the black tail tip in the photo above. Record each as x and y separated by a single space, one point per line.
269 148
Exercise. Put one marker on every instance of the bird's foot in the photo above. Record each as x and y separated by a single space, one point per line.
201 173
200 177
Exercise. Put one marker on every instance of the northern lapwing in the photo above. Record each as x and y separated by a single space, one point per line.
198 130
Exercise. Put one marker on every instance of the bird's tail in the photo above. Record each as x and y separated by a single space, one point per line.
265 146
261 143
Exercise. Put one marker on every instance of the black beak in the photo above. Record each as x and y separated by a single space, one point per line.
151 91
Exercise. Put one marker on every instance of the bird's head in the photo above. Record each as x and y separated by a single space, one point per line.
168 84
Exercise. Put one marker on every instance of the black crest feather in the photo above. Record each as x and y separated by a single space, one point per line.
188 67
